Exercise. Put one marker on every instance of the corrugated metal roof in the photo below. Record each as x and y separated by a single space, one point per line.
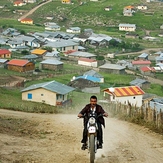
140 62
52 62
52 86
93 73
125 91
112 66
38 51
91 78
143 55
138 82
82 54
4 51
18 62
127 25
3 60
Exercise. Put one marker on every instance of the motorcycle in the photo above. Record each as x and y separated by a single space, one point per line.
92 140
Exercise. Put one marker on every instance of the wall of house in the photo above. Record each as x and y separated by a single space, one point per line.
113 71
5 55
28 67
134 100
52 67
40 95
91 64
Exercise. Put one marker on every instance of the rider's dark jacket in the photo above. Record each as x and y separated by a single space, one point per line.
99 110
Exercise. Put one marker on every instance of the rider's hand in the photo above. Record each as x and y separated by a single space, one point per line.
80 115
105 114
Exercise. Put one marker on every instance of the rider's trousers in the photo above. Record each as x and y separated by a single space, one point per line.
99 133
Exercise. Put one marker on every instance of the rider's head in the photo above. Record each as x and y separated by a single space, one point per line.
93 100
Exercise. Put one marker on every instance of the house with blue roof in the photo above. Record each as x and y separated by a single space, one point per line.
156 103
143 56
52 93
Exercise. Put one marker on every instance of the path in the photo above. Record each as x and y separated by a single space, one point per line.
34 9
50 138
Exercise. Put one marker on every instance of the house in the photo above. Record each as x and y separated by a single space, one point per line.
159 59
108 8
147 97
29 41
142 7
140 63
157 104
66 1
3 63
62 45
79 54
131 35
53 28
112 68
143 56
30 57
52 55
87 62
99 40
51 64
73 30
30 1
88 85
144 84
4 53
52 93
20 65
127 27
95 74
146 70
15 42
39 52
128 11
132 95
26 21
19 3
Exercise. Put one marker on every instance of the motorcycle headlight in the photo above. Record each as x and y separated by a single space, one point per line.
92 120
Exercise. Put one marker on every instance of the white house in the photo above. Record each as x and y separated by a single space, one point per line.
127 27
73 30
142 7
87 62
125 95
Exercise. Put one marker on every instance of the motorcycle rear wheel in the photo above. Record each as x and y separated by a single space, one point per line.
92 148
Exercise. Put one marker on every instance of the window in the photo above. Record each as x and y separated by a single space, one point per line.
29 96
42 94
134 97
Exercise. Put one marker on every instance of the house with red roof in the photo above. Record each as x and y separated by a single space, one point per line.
20 65
87 62
132 95
19 3
4 53
26 21
140 63
145 70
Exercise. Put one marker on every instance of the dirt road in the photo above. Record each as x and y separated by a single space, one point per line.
33 10
49 138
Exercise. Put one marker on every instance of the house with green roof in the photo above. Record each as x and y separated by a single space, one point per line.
52 93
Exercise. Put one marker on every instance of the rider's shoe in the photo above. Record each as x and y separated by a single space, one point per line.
84 146
99 146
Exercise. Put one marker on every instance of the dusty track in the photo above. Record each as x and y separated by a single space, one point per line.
48 138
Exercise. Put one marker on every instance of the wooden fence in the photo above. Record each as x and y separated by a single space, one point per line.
147 115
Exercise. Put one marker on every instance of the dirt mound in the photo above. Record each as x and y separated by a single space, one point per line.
82 83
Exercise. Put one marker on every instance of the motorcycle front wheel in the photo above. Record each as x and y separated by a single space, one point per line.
92 148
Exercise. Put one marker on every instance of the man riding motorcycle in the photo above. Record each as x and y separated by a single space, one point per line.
93 107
